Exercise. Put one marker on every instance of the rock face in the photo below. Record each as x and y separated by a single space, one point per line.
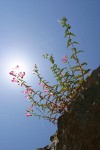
53 145
79 128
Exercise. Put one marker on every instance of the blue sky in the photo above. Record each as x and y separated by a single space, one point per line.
28 29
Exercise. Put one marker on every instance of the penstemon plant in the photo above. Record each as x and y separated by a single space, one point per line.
54 100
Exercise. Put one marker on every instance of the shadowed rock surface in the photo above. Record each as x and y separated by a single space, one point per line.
79 128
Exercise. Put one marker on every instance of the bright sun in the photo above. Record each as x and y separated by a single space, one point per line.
11 60
21 65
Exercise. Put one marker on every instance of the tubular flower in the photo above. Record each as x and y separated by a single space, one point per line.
21 74
16 67
12 73
28 114
14 80
64 59
28 92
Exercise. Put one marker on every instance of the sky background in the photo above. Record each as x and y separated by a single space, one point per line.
29 29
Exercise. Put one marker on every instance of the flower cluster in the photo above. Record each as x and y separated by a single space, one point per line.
46 88
17 75
18 78
29 111
28 91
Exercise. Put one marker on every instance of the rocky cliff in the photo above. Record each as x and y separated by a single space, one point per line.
79 128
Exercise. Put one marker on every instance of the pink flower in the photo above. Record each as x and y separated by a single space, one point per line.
16 67
29 91
45 90
16 73
27 96
31 108
14 80
21 74
41 84
44 87
12 73
28 114
64 59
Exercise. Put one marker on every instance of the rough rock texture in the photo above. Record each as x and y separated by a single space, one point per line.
53 145
79 128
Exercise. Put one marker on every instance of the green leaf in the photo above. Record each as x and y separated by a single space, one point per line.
68 33
52 59
45 55
86 71
83 63
68 26
63 89
72 56
75 43
69 42
74 49
79 51
59 78
78 76
63 21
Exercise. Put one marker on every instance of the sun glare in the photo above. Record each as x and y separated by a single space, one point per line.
11 66
9 63
21 67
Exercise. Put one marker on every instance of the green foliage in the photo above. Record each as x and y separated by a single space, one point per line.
54 99
68 80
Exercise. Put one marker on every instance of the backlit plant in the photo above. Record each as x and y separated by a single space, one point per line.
54 100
